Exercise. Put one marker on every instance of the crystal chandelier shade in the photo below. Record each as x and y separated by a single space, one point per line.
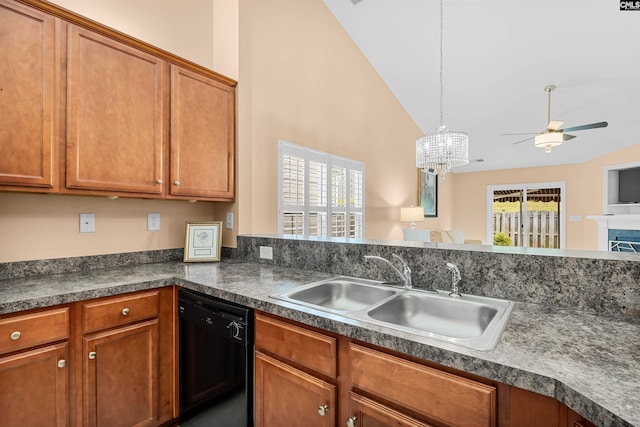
438 152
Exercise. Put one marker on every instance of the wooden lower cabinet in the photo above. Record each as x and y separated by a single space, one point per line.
34 387
288 396
299 369
104 362
120 372
365 412
576 420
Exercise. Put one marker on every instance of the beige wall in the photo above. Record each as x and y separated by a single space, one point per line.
35 226
182 27
584 194
303 80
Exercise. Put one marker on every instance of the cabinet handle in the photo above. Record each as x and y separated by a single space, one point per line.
323 409
15 335
159 181
351 421
176 183
125 311
92 355
62 363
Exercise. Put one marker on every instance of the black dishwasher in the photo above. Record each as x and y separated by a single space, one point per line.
216 361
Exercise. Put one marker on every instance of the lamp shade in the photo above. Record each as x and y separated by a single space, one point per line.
412 214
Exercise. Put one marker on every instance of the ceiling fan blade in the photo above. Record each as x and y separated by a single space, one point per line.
566 137
524 140
555 124
589 126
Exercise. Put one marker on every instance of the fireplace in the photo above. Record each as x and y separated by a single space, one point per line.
618 233
624 240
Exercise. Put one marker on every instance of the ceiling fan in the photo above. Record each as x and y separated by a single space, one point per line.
553 135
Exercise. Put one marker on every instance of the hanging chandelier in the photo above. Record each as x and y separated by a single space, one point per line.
438 152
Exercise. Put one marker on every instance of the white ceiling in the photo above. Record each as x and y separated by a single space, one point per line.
498 57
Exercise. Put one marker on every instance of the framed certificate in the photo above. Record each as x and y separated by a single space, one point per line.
202 241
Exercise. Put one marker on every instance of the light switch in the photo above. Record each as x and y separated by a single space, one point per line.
229 223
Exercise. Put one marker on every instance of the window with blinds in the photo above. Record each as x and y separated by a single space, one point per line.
319 194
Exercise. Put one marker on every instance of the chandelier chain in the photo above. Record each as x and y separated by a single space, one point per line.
441 69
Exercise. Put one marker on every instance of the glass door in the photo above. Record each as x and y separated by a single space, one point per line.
526 215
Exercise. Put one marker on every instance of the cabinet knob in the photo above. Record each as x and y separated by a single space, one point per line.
351 422
159 181
92 355
15 335
62 363
176 183
125 311
323 409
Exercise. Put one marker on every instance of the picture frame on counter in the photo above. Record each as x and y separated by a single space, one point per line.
203 241
428 193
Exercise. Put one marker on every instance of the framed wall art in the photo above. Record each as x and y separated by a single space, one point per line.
428 193
202 241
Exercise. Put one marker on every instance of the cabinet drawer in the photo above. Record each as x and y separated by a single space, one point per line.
118 311
298 345
29 330
440 396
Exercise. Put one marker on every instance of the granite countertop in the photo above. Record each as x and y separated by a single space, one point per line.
588 362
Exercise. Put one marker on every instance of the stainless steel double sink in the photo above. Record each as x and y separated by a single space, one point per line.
470 321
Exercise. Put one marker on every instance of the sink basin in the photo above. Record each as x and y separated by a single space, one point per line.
340 294
470 321
441 315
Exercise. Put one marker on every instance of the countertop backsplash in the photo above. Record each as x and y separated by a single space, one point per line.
603 286
12 270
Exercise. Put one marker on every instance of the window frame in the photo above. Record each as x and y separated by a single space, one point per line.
329 210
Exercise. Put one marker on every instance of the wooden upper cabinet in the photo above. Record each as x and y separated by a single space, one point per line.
202 137
28 128
114 116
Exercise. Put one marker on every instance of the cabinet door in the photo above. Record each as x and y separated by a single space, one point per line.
286 396
34 387
115 116
120 376
202 137
28 131
368 413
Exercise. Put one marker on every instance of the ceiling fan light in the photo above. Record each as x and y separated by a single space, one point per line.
548 140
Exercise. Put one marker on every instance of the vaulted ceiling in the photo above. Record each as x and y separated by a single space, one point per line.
498 55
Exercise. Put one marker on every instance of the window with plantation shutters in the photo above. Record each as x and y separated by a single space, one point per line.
319 194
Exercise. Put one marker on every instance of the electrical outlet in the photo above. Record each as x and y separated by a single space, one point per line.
266 252
87 223
153 221
229 223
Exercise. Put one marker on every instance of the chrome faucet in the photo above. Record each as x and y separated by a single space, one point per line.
405 274
455 278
